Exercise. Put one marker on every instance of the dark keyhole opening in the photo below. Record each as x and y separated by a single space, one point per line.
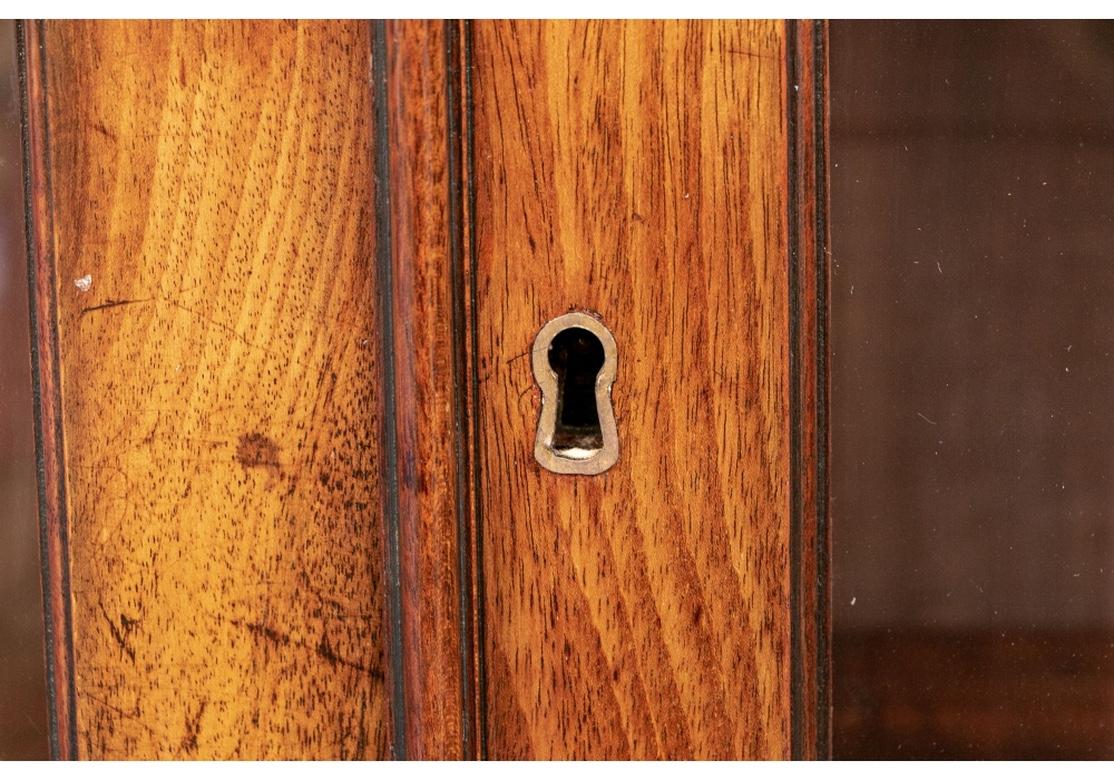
576 355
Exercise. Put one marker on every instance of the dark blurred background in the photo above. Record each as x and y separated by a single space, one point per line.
23 725
972 219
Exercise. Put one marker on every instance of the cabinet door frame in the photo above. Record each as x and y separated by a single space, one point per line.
423 92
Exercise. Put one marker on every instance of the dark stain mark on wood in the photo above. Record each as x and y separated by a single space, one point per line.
257 451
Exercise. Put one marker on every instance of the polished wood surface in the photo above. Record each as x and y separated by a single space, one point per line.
288 278
210 184
45 369
426 314
639 171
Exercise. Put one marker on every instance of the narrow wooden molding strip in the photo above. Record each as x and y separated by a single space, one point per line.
808 299
388 449
458 53
50 443
428 344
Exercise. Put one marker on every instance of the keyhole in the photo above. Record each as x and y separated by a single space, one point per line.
575 361
576 355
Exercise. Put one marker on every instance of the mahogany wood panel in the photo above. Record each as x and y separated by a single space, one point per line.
288 413
427 320
47 408
637 170
219 367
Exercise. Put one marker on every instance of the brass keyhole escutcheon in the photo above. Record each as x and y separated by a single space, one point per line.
574 360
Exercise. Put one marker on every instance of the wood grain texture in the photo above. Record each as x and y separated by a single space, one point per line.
219 386
637 170
808 303
54 526
431 437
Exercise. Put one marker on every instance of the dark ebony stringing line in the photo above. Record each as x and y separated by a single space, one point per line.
477 449
796 680
384 253
460 412
823 700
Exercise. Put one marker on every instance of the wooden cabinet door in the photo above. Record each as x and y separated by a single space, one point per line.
286 282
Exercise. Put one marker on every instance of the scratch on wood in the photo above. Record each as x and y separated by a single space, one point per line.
322 648
112 304
193 728
120 635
